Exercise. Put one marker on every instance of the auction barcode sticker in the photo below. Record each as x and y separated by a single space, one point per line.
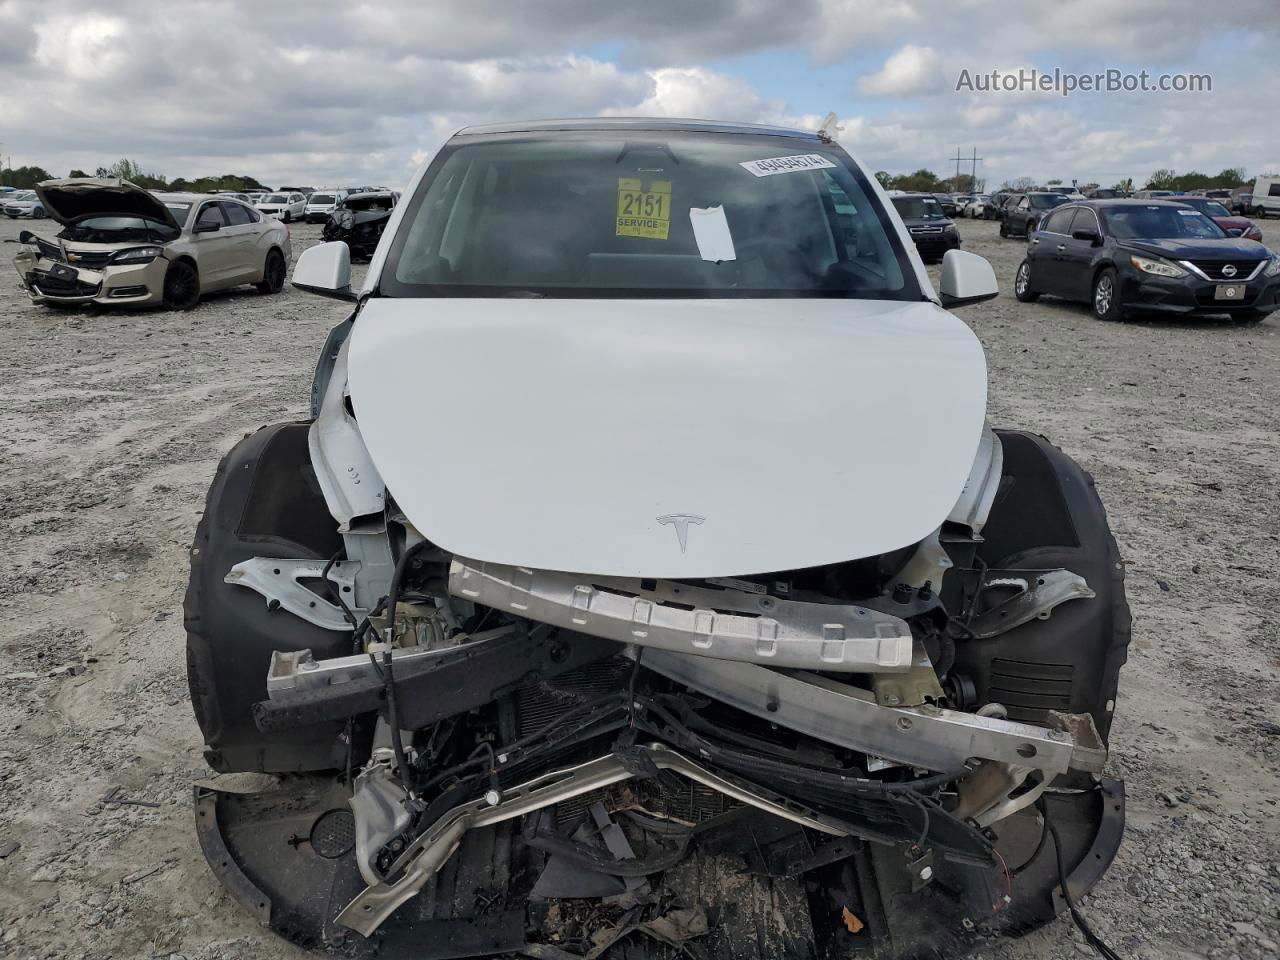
798 164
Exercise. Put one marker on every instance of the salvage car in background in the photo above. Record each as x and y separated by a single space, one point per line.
23 203
1213 209
1021 214
123 245
774 656
358 221
931 230
285 206
1162 256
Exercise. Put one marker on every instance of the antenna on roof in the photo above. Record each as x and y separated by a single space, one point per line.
830 128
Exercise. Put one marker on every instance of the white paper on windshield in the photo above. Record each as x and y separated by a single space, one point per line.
711 231
797 164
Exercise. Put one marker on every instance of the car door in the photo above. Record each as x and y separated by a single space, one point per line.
212 248
1044 249
1022 214
243 261
1075 256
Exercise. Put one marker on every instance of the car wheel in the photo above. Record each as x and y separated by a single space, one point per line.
181 286
37 214
1022 284
1106 296
273 272
1004 228
286 216
1250 317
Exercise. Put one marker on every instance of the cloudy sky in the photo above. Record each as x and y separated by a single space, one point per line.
323 92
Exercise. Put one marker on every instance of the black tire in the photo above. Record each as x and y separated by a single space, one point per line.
286 218
273 273
181 286
1250 317
264 502
1106 296
1022 284
1004 228
37 213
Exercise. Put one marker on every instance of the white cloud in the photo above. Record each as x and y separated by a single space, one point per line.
908 71
341 92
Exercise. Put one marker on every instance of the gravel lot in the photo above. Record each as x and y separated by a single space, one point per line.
112 424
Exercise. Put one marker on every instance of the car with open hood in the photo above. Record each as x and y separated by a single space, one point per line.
647 564
1153 256
122 245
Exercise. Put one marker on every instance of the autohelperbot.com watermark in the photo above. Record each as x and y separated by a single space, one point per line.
1065 83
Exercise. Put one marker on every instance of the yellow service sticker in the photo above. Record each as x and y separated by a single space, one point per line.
641 212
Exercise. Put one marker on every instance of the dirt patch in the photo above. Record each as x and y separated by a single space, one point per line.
114 422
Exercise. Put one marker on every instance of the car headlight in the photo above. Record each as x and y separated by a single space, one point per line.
137 255
1273 268
1157 267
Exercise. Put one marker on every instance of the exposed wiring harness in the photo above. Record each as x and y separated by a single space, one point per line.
1090 937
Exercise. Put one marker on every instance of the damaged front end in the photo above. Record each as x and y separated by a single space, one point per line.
853 760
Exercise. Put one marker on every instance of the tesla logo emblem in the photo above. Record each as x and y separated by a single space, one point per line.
1229 270
681 522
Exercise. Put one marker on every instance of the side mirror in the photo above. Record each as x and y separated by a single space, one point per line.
966 278
207 226
1090 237
1235 232
325 269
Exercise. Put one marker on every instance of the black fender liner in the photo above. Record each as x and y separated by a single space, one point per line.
265 502
1046 515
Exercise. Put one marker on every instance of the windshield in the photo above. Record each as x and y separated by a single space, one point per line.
1046 201
646 214
321 198
23 195
369 203
1159 223
275 198
1210 208
918 208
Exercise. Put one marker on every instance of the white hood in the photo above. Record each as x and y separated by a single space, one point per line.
668 438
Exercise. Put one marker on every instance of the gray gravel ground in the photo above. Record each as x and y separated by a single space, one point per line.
111 426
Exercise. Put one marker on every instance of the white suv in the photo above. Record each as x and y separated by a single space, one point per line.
321 204
648 526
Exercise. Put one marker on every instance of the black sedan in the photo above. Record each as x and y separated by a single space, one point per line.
1152 255
1021 214
933 232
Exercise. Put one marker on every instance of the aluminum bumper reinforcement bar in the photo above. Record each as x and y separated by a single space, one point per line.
731 624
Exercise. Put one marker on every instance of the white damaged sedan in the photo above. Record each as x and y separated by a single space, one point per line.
648 566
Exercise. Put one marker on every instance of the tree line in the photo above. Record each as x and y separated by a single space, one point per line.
27 177
926 181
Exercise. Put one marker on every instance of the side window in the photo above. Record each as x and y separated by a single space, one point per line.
236 214
212 212
1274 191
1024 203
1059 221
296 197
1086 219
